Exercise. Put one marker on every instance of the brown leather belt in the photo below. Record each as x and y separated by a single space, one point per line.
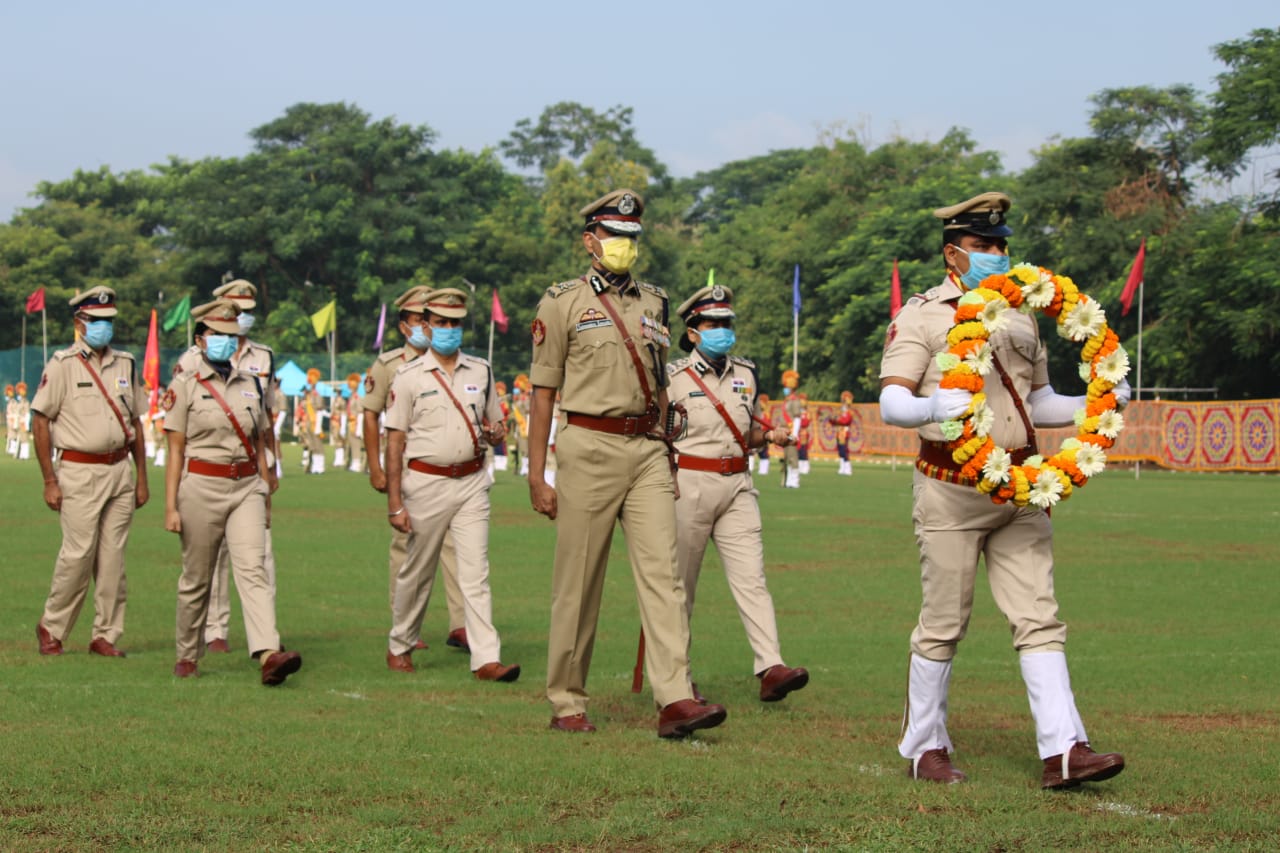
229 471
935 460
624 425
461 469
95 458
720 465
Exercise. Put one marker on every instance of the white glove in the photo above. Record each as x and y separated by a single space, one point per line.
900 407
1123 392
1051 409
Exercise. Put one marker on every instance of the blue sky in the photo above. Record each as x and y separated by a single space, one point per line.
128 84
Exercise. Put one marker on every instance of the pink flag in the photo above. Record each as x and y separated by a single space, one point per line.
35 302
895 293
382 327
1135 278
499 317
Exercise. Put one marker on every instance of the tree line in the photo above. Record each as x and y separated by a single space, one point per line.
332 203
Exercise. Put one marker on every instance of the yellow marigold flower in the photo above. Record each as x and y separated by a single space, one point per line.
964 331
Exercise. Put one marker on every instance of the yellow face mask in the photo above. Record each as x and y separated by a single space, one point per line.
617 254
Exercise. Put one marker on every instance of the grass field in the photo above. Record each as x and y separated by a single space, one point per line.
1169 585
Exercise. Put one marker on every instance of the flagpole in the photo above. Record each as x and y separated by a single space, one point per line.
1137 395
491 339
188 330
795 342
22 371
44 333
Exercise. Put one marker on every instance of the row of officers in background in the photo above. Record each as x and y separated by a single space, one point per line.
659 445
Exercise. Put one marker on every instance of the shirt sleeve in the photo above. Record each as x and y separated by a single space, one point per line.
177 401
492 409
399 409
550 344
906 349
51 392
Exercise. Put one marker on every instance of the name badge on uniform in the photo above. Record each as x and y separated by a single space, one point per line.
471 389
252 395
697 393
123 382
84 384
427 394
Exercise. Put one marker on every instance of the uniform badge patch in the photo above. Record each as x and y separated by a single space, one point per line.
169 399
890 334
391 397
471 389
593 319
539 331
44 380
123 382
368 384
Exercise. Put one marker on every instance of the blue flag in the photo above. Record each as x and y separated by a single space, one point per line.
795 293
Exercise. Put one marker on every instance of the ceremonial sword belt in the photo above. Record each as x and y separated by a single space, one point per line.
456 470
725 465
109 458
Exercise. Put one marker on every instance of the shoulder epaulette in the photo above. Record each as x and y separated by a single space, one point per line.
390 355
652 288
674 367
65 353
564 287
745 362
262 347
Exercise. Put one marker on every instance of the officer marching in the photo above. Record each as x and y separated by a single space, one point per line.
718 502
602 340
91 393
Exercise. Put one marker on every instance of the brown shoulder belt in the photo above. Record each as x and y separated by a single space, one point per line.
244 439
719 406
84 359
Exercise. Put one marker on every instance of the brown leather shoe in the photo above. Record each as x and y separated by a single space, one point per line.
779 680
495 671
185 669
218 646
458 640
935 766
1080 764
572 723
48 645
400 663
419 646
697 695
102 646
682 718
280 665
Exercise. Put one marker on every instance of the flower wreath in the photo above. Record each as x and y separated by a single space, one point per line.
1103 364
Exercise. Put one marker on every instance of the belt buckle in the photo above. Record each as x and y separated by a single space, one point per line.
629 425
235 471
454 470
725 463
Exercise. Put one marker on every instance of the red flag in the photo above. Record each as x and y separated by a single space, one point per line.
499 317
1135 278
35 302
895 295
151 360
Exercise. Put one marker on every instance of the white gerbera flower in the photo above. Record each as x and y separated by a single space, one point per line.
1084 321
1110 423
1114 367
996 468
992 315
1039 293
1090 459
983 419
980 359
1046 490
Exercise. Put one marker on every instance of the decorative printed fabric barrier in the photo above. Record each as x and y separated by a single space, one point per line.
1211 436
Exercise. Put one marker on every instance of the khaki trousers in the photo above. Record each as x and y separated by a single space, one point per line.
954 526
723 509
97 510
459 507
448 567
214 510
217 624
603 479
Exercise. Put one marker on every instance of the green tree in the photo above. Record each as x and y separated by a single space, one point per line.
1245 115
569 130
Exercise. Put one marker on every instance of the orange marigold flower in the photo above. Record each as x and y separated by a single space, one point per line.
1103 403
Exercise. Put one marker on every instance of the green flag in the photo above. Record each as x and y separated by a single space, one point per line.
178 314
325 320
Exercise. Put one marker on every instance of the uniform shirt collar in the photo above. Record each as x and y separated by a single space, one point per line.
84 349
716 366
949 291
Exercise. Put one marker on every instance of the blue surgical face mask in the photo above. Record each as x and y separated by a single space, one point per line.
716 342
418 338
97 333
446 339
219 348
983 264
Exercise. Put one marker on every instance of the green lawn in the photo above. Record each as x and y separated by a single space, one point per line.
1168 583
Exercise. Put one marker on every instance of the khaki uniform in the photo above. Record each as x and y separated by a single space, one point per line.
723 507
520 420
22 426
793 408
954 523
603 478
217 509
377 383
313 424
98 500
436 434
355 432
257 360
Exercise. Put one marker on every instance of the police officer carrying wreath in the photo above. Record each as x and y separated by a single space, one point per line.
955 524
217 488
602 339
91 392
443 410
717 499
